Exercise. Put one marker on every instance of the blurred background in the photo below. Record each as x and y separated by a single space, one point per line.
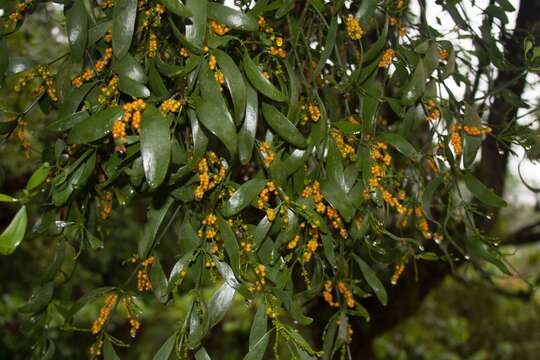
463 318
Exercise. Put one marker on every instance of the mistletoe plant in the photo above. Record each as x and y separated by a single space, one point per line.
299 151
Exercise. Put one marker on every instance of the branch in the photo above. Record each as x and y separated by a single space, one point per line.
524 236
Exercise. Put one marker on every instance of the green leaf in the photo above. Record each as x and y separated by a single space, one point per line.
482 193
213 114
259 326
235 83
67 122
196 32
401 145
375 49
365 11
471 143
259 348
156 215
282 126
95 127
428 195
155 146
166 349
416 85
39 299
337 198
261 83
97 31
73 100
55 264
176 7
38 177
77 30
431 58
86 298
231 17
200 140
156 82
202 354
7 198
328 48
124 17
243 196
328 248
108 350
246 136
179 266
133 88
372 280
231 244
220 303
129 67
12 236
159 282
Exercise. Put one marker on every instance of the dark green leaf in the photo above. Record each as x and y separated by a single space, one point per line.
243 196
176 7
156 215
130 68
155 146
97 31
328 47
401 145
372 280
416 86
77 29
196 32
108 350
181 265
156 82
12 236
231 244
159 282
202 354
428 195
259 326
68 121
133 88
259 348
246 137
261 83
282 126
38 177
218 122
364 14
231 17
39 299
200 140
166 349
73 100
95 127
337 198
220 303
482 193
235 83
124 16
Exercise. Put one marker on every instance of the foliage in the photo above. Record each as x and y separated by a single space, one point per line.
285 152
